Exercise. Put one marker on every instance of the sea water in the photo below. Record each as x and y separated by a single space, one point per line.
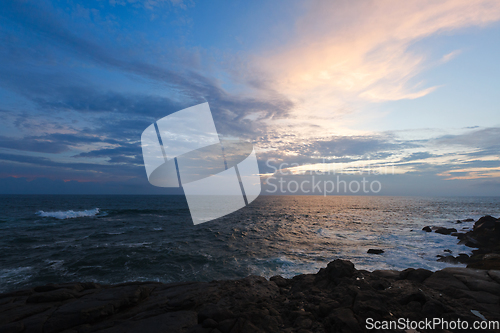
111 239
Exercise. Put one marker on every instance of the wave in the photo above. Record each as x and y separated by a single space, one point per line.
69 214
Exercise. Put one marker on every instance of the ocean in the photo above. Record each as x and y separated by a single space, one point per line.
112 239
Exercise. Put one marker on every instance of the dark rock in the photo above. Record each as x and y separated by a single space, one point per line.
485 236
485 223
462 258
174 322
387 274
433 309
340 268
338 298
494 275
16 327
225 326
418 275
468 220
449 259
375 251
488 263
56 295
427 229
280 281
244 326
342 320
408 296
445 282
210 323
212 311
445 231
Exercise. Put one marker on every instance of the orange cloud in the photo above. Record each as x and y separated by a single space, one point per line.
472 173
357 51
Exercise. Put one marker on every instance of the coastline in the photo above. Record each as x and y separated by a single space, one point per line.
484 238
338 298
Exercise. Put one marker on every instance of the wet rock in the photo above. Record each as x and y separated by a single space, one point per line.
449 259
462 258
445 231
375 251
485 236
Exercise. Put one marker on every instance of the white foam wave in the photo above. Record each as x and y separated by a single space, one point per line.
69 214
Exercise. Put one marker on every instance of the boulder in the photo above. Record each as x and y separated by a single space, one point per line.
339 269
445 231
485 223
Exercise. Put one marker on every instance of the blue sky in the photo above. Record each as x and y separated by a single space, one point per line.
412 85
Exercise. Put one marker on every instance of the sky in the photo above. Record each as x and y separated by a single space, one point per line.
405 93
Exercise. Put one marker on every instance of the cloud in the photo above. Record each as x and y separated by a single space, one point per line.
36 166
485 138
471 173
35 144
62 89
348 51
450 56
343 55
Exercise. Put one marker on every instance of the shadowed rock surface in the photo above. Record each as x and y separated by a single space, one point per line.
485 237
338 298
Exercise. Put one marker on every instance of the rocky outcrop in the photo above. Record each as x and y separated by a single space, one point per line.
484 237
338 298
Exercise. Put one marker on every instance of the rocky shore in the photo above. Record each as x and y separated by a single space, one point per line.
338 298
484 237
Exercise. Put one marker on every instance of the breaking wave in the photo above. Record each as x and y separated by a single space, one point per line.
69 214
